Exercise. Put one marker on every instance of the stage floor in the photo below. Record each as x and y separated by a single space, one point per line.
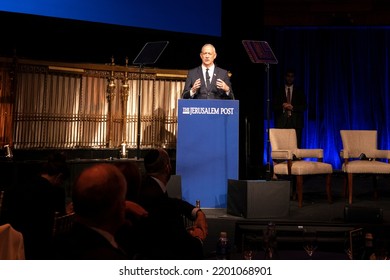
366 212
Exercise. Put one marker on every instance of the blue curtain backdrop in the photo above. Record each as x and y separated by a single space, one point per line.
345 74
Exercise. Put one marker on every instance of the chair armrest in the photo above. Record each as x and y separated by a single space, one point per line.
282 154
309 153
346 154
375 154
381 154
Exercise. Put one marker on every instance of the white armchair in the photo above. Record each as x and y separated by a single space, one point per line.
360 156
284 150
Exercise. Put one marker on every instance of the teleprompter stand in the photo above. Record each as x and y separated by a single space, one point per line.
149 54
261 52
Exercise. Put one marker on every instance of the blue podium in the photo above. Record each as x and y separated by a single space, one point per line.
207 149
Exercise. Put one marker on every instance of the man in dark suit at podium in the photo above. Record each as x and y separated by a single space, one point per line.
208 81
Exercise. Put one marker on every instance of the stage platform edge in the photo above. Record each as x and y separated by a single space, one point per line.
258 198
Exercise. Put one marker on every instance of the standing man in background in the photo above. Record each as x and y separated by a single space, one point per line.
289 104
208 81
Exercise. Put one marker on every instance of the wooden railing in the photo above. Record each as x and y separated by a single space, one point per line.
63 105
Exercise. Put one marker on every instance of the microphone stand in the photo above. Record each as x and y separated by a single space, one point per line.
148 55
268 166
261 52
139 112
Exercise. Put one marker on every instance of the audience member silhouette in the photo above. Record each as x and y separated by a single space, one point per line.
164 235
31 204
99 196
133 176
128 235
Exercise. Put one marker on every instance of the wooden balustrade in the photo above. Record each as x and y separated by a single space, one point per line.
47 104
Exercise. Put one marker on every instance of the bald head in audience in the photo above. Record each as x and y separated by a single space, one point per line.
99 195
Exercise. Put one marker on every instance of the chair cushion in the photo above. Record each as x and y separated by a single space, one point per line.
366 167
303 167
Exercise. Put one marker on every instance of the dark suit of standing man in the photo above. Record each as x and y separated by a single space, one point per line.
197 86
290 113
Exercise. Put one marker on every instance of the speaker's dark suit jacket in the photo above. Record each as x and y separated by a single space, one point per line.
163 234
204 92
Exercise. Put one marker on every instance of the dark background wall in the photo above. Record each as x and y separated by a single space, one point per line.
44 38
244 21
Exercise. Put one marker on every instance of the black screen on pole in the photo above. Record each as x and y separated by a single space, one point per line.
150 53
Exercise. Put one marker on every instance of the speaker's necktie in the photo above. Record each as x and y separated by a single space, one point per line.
207 78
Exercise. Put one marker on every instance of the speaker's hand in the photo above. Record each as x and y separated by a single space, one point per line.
196 85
